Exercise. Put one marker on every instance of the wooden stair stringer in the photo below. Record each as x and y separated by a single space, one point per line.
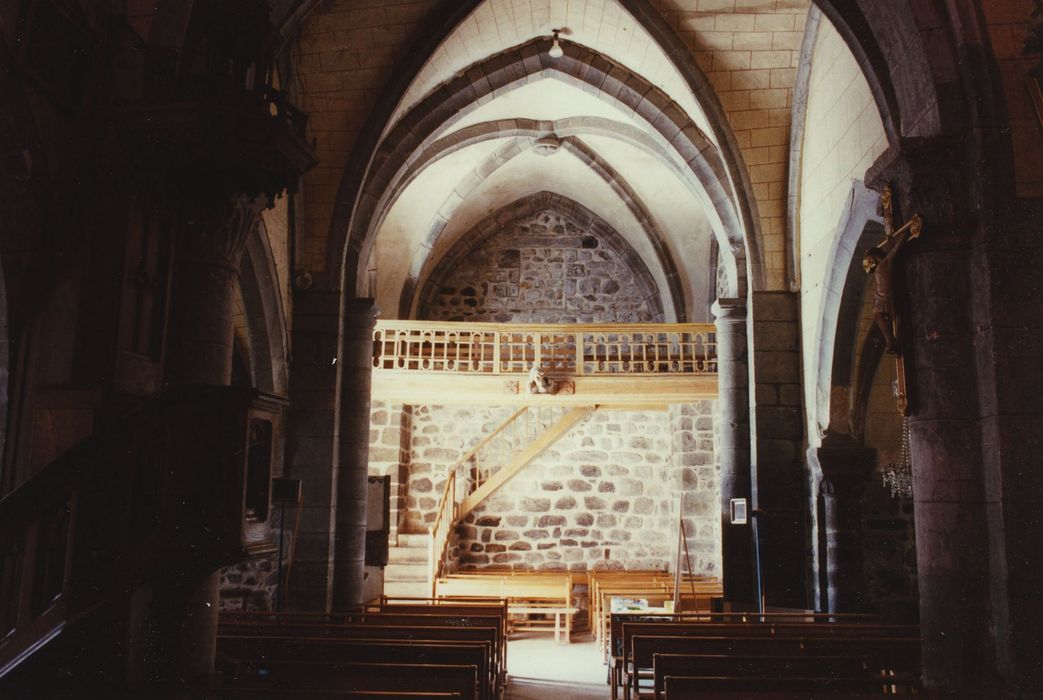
533 450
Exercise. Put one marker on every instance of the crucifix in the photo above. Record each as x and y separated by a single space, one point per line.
880 261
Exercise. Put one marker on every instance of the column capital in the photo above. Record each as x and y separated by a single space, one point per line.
729 309
360 312
216 234
842 458
927 177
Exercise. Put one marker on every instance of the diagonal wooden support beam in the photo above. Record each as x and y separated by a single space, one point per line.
544 440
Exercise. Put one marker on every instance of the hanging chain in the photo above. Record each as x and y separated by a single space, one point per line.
898 476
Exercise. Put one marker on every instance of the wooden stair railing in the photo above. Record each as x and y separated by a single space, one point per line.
183 481
524 457
445 520
484 483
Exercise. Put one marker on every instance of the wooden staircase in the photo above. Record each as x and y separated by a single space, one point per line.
471 480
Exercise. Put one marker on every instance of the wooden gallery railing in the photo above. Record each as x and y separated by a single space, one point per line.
570 351
576 350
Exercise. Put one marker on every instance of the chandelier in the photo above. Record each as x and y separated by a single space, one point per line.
898 476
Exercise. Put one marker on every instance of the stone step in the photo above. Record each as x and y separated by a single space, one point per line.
407 589
411 539
405 572
407 555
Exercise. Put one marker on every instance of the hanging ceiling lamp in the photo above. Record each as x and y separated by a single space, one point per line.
555 48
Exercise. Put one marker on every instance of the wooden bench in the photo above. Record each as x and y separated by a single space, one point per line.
299 676
632 671
278 694
249 658
525 593
444 607
419 616
697 593
775 688
851 660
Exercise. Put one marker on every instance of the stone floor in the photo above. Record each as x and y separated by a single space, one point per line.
540 669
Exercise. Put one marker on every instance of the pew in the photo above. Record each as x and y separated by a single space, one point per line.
295 676
849 661
697 593
775 688
238 655
278 694
630 671
615 648
294 624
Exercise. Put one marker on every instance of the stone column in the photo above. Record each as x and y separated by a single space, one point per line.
312 443
177 619
936 293
777 423
356 359
734 449
845 466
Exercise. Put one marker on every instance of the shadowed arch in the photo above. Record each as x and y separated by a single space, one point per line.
265 316
521 208
840 304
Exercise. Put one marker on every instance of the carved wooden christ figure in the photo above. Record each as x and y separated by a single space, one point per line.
880 260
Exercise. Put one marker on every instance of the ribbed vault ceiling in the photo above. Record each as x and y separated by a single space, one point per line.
602 25
618 163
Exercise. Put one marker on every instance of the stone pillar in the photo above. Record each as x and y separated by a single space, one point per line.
312 443
777 422
207 274
934 288
356 359
1008 333
845 466
734 449
948 485
180 615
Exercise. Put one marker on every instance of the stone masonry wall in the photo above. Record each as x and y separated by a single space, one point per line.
605 496
543 269
389 453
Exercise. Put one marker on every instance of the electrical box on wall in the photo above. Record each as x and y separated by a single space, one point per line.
738 511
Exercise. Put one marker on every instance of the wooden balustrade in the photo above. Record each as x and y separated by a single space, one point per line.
562 350
445 519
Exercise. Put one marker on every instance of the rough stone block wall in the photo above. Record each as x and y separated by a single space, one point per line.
605 496
389 453
249 585
694 431
543 269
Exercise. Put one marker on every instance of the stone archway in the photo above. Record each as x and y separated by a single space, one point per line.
629 271
653 234
583 68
